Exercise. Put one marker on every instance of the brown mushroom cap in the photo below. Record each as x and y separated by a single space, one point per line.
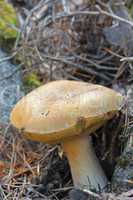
62 109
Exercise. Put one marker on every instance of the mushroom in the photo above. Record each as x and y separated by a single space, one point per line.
67 112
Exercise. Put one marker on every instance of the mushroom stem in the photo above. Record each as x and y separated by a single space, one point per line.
85 167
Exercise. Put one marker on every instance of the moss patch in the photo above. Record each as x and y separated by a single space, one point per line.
123 162
8 20
32 80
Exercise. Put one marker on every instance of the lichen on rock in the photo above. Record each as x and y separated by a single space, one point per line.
10 88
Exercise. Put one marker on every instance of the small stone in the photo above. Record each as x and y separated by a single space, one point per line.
76 194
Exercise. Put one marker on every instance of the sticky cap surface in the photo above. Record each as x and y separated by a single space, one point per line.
62 109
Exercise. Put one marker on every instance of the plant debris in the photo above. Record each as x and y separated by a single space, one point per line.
75 41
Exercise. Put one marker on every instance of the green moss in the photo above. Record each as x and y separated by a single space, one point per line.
32 80
123 162
130 9
8 20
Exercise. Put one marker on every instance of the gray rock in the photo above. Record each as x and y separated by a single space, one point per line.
123 174
10 87
120 34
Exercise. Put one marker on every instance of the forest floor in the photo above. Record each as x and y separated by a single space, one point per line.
91 42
